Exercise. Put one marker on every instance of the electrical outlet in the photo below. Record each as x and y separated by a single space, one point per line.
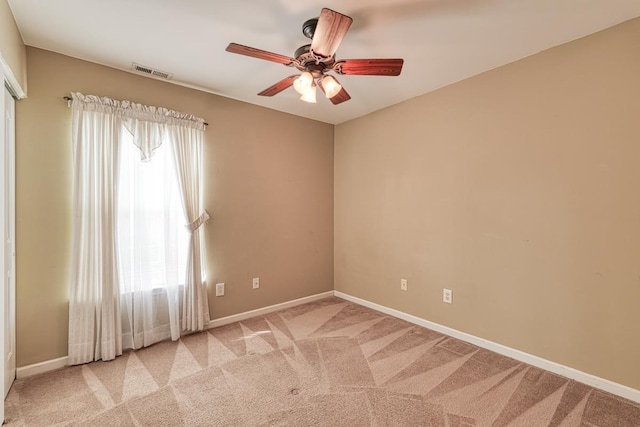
403 284
219 289
447 296
256 282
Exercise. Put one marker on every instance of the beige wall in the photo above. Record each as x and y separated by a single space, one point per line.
519 189
269 192
12 49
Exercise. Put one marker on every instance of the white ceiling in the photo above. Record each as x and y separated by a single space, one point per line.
441 41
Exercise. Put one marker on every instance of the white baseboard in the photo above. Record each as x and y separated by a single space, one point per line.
61 362
266 310
565 371
41 367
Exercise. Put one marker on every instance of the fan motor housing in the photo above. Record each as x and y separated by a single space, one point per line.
309 62
302 50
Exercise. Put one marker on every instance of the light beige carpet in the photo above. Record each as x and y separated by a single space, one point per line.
326 363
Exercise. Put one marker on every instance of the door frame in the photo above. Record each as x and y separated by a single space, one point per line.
9 235
8 80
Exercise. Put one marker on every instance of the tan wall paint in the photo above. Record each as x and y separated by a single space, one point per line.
270 194
12 48
520 190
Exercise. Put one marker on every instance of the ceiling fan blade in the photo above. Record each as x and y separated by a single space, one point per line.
260 54
369 67
330 30
340 97
280 86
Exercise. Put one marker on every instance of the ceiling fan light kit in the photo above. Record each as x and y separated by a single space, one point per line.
306 87
315 60
309 95
331 86
303 83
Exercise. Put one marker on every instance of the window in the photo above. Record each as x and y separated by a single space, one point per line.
152 238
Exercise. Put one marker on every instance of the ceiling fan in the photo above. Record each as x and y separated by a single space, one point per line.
315 60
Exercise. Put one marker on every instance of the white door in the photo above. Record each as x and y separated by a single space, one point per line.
10 243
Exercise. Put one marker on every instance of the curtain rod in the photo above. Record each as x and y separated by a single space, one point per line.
69 99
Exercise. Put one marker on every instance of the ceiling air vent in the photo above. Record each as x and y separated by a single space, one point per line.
151 71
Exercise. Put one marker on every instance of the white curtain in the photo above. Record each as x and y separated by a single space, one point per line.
186 144
131 239
94 304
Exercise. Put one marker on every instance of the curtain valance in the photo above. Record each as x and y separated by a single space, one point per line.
132 110
147 124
